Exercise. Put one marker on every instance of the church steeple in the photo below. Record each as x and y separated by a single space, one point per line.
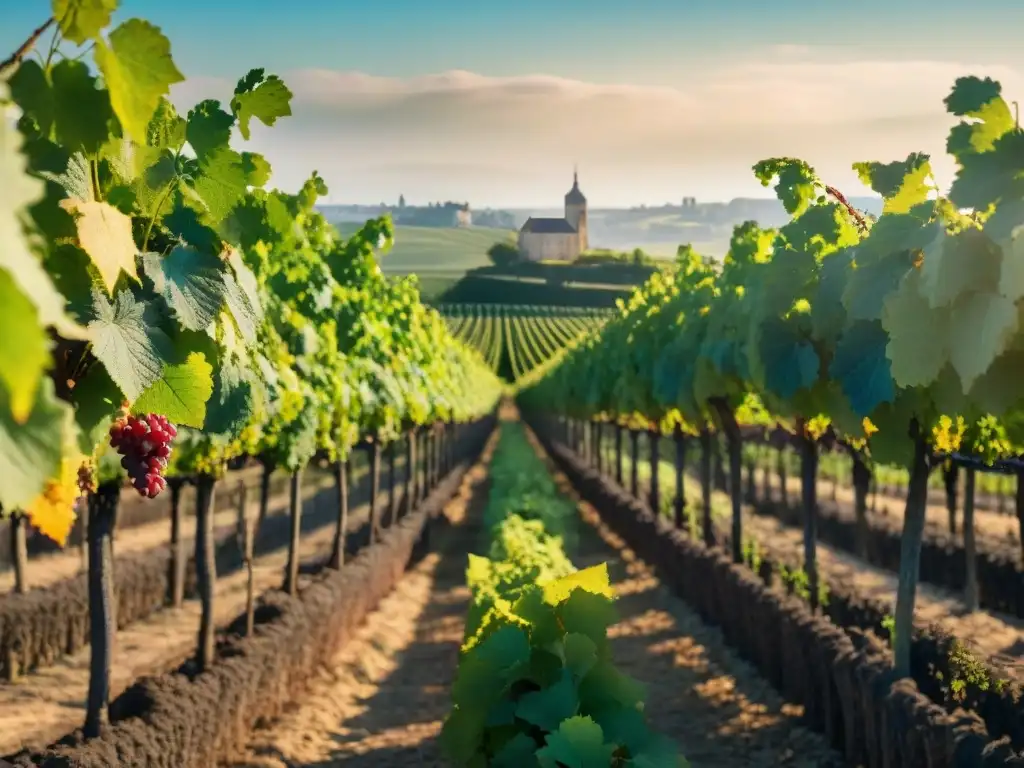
574 196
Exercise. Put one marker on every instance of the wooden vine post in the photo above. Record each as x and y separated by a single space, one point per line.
246 531
102 509
734 445
618 453
342 473
392 500
634 462
861 486
374 448
679 502
654 438
179 558
970 546
206 569
409 497
950 476
291 583
19 551
705 486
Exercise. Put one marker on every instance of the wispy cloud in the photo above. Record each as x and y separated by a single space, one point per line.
512 140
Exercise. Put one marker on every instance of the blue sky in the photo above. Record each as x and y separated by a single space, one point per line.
706 51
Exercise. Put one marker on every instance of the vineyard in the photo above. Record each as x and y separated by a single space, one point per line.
266 507
516 340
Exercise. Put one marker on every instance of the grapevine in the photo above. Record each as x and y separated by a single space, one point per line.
145 446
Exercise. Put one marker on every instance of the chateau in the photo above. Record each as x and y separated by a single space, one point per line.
559 239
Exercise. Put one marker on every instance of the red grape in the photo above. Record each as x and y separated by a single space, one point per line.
144 443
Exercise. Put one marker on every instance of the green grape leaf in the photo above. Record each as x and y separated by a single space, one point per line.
982 101
982 326
208 127
578 743
97 401
82 20
76 180
580 653
548 707
105 234
30 452
605 686
998 389
242 297
265 98
183 222
587 613
1011 273
917 347
82 111
166 129
518 752
902 183
221 183
30 89
138 70
869 283
127 342
181 392
232 403
958 264
862 369
828 314
192 283
257 169
796 185
26 347
790 361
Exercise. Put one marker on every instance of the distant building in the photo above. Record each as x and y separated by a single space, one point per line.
463 216
562 239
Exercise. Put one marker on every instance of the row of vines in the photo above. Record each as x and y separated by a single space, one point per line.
517 340
167 316
897 338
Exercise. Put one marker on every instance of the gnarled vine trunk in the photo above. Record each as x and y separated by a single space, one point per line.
705 486
618 454
950 475
654 436
19 551
910 550
861 486
374 490
634 460
342 472
179 560
809 498
734 446
679 503
102 509
206 569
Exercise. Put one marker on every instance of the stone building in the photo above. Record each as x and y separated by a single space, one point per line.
558 239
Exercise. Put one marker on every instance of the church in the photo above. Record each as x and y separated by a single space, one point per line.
557 239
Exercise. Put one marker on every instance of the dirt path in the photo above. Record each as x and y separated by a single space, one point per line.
50 702
382 703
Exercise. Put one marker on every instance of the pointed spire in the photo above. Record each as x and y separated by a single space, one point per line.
575 180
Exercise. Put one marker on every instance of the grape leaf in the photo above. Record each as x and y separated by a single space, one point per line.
518 752
127 342
917 347
81 110
1011 276
264 98
138 70
862 369
97 400
82 20
30 452
208 127
181 392
902 183
166 129
549 706
192 283
105 234
870 282
221 183
594 580
31 91
76 180
958 264
26 347
790 361
232 401
578 743
257 169
580 653
981 327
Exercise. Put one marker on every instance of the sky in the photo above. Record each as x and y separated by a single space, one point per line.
495 103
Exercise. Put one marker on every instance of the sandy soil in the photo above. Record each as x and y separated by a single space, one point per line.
383 702
50 702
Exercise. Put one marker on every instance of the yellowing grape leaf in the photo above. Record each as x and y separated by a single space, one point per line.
81 20
53 510
105 234
594 580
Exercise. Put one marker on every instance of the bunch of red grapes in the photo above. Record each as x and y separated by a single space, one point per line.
144 443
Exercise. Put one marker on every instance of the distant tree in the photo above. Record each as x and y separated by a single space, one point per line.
401 201
503 254
639 256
